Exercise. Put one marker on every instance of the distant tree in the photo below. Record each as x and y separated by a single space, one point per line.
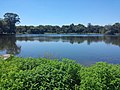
80 28
11 19
90 28
56 29
65 29
71 28
1 26
109 32
116 28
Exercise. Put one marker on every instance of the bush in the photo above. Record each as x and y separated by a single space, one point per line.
101 76
45 74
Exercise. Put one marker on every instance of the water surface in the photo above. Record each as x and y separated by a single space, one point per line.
85 49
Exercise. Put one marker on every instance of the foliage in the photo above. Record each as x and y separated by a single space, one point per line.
101 76
80 29
7 25
44 74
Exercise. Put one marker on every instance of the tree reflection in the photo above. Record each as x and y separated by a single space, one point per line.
115 40
8 44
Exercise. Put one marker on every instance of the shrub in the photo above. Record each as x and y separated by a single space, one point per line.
101 76
44 74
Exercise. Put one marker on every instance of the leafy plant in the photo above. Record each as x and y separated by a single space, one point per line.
45 74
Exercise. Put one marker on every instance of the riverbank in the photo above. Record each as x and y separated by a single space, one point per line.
41 73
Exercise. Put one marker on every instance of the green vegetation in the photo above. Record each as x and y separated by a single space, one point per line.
80 29
7 26
44 74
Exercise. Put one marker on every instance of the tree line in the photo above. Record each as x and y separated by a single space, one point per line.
7 26
80 29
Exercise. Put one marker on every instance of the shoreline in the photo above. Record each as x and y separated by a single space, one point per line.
89 34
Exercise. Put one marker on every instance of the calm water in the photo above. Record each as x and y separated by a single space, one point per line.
85 49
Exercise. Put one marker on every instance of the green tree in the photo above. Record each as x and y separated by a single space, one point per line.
116 28
80 28
11 19
1 26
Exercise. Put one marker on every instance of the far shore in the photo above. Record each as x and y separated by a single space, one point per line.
117 34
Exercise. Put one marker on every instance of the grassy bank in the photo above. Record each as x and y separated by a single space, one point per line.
44 74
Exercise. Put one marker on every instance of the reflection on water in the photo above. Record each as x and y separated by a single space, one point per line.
85 49
115 40
8 44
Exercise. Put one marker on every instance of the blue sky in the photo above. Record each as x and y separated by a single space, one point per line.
59 12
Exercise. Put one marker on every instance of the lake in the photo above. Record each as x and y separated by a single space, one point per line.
84 49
